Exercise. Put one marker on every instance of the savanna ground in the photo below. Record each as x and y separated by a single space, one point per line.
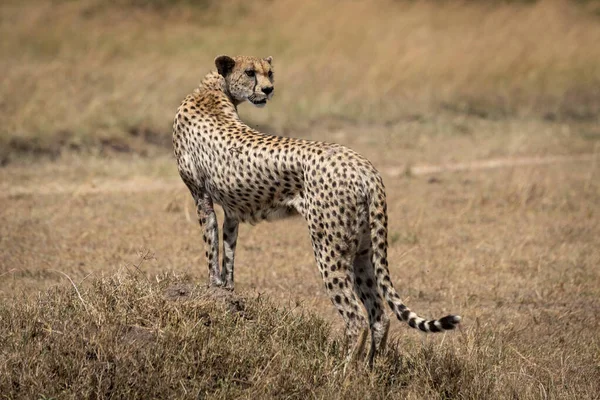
101 271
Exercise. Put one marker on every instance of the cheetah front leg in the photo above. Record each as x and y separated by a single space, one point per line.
210 233
230 233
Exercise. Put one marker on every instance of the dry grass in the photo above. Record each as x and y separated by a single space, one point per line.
101 257
86 73
514 250
128 337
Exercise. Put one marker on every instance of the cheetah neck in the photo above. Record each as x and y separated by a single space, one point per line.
214 81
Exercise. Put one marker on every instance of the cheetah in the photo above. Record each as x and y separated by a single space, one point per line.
254 176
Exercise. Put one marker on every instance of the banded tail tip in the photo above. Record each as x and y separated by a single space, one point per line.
450 321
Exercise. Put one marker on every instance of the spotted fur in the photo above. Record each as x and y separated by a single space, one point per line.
254 177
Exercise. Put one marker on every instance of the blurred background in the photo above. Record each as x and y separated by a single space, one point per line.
483 118
82 74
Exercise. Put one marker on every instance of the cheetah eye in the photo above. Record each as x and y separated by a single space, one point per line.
270 74
250 73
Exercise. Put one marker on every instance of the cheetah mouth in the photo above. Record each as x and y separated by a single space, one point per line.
258 103
258 100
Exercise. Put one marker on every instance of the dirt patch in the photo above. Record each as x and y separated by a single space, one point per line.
233 301
425 169
179 291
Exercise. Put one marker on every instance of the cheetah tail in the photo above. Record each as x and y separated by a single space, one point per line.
378 224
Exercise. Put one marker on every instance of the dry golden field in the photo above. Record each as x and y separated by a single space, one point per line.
78 74
483 118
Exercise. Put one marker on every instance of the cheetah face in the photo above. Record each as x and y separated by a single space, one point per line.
247 78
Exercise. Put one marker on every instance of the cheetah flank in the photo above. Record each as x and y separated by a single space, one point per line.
254 177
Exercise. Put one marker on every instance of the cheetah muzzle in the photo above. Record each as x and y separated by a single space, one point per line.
255 177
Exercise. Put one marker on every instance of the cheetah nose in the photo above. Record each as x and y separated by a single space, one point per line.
267 90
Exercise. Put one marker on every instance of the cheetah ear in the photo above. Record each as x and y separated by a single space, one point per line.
224 64
268 59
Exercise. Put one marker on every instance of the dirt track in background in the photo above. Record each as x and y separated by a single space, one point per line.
147 185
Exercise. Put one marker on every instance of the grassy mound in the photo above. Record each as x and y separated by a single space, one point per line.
126 337
123 337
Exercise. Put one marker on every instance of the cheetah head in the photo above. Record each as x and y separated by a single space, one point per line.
247 78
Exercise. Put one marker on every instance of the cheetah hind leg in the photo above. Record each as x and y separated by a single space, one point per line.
378 341
365 287
384 337
355 352
334 260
